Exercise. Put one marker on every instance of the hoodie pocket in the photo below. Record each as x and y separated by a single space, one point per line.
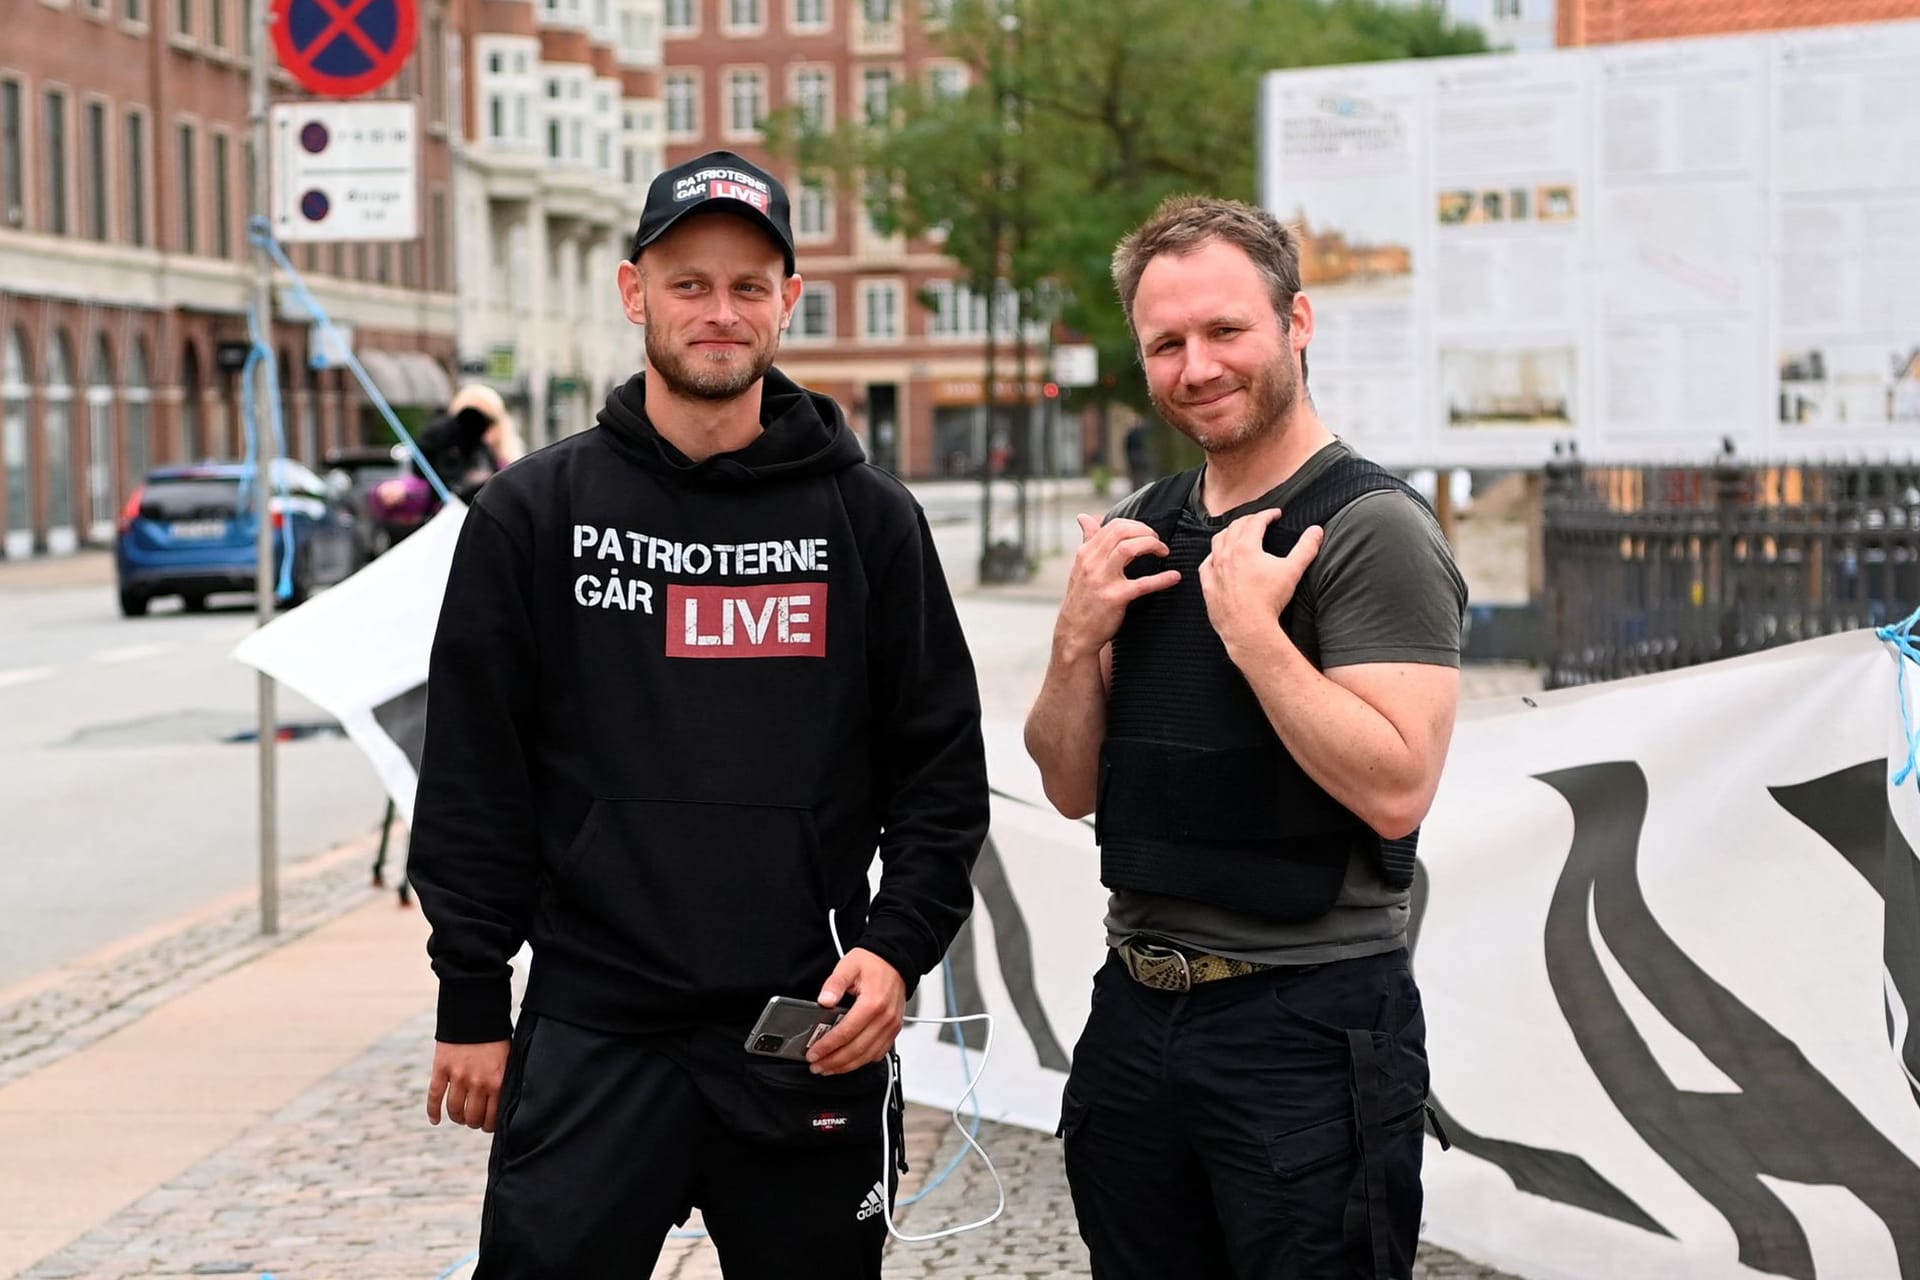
695 896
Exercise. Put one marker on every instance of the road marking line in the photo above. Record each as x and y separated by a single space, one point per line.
130 652
24 675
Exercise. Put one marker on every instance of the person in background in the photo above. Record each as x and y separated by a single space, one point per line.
503 436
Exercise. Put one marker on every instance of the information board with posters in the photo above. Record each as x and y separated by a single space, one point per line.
1637 251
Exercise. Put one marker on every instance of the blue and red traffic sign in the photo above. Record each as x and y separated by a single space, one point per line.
343 48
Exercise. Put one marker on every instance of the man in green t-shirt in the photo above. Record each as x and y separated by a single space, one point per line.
1253 684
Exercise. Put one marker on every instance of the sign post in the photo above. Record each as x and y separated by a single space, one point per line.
336 49
264 579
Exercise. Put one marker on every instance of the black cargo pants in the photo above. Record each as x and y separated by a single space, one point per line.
1266 1127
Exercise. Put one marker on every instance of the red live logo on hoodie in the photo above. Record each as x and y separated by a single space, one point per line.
781 620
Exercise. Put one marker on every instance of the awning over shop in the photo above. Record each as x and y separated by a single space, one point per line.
408 379
429 378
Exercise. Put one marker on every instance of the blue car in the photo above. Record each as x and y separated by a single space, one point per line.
189 532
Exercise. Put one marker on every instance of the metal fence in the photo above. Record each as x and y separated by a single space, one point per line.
1656 567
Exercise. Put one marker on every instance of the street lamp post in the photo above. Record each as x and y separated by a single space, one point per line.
264 582
995 564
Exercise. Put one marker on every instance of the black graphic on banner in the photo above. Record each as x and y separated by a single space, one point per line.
1788 1121
1555 1175
404 717
1013 948
1849 810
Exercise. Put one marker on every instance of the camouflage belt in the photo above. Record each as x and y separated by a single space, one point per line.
1165 968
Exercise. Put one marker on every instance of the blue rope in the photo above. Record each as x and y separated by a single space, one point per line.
260 350
260 232
953 1001
456 1266
1900 636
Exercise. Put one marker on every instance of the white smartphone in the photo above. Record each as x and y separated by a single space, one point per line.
787 1028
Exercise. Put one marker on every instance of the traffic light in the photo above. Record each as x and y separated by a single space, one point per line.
1051 391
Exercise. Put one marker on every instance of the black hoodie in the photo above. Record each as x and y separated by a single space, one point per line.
674 707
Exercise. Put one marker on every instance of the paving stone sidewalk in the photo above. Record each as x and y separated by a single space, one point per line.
349 1181
92 999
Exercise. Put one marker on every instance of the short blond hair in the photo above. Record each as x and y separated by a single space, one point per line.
502 437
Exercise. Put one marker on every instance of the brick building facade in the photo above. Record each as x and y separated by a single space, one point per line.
125 187
1611 21
909 375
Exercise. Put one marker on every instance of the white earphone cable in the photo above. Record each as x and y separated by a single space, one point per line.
886 1118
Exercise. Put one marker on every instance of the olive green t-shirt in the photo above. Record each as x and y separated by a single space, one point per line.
1383 588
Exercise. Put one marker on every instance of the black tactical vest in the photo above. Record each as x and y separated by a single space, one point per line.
1198 798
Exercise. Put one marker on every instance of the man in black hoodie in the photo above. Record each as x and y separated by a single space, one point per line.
693 667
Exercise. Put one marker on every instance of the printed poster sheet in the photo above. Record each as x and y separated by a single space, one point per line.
1636 252
1349 142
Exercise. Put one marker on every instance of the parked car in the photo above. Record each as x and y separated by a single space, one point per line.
189 531
365 468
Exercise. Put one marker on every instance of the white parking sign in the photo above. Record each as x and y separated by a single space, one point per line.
345 171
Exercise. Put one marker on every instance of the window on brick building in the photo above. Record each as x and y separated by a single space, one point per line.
188 240
880 308
96 145
682 93
812 211
746 101
813 96
135 167
813 317
876 92
54 146
222 199
13 140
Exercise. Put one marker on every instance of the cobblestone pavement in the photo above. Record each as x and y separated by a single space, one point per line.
1036 1238
349 1181
93 998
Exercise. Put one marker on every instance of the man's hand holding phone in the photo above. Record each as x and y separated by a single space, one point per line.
872 1025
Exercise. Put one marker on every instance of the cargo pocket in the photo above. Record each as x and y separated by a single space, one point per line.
720 898
1309 1150
1073 1117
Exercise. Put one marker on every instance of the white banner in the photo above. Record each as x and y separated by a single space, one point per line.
1668 936
359 650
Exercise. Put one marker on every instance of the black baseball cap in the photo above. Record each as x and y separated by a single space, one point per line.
718 180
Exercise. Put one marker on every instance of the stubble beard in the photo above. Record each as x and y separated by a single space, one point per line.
710 376
1271 394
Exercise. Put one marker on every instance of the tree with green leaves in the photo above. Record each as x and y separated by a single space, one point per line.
1078 118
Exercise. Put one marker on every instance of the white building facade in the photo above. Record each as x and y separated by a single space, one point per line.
564 133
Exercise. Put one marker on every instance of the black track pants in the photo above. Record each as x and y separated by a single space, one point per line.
605 1144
